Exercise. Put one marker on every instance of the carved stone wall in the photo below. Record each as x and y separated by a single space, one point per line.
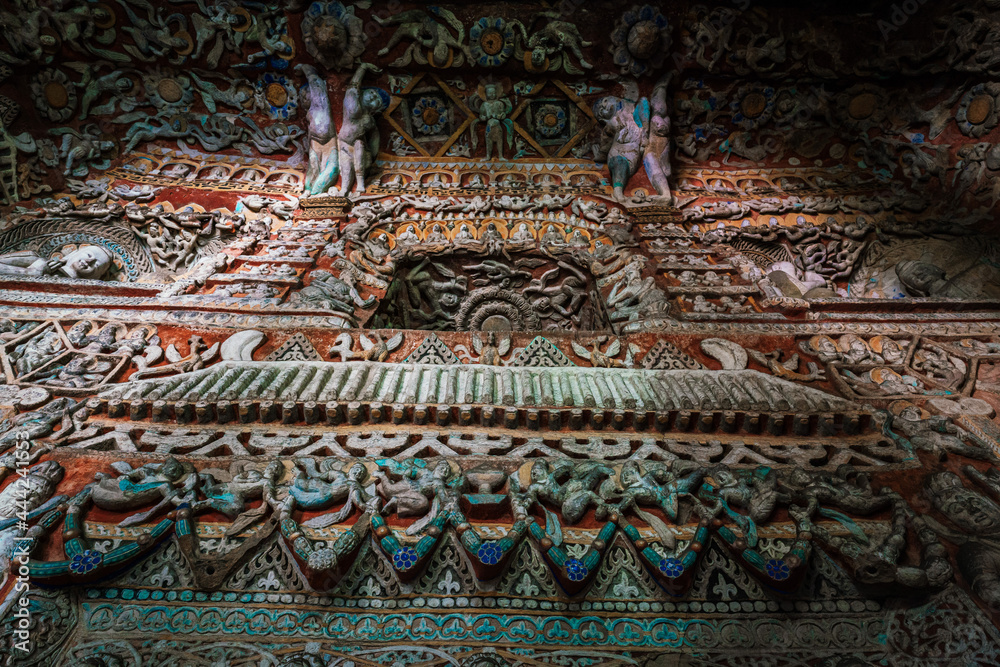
541 333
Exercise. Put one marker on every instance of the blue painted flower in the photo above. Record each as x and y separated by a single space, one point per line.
489 553
430 115
671 567
278 95
491 40
550 120
84 562
778 569
404 558
575 570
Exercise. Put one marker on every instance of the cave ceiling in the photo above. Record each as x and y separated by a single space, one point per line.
510 333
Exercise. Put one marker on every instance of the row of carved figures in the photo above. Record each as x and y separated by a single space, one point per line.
358 495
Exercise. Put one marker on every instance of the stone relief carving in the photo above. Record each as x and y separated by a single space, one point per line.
528 415
975 517
87 262
434 35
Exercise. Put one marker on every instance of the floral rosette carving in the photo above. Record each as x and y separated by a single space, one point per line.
640 40
491 40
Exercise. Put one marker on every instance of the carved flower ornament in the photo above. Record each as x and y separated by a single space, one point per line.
862 107
671 567
753 106
54 94
576 570
490 553
977 112
404 558
167 90
778 569
550 120
332 34
429 115
640 40
85 561
491 40
279 96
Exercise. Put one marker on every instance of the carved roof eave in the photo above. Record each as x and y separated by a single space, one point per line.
477 395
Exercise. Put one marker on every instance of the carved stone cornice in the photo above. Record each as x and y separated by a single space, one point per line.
512 397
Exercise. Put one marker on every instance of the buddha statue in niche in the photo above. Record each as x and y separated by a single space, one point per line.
86 262
956 268
924 279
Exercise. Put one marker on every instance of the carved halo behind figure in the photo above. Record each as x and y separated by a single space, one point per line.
496 309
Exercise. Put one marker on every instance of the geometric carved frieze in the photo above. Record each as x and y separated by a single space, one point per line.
868 633
25 305
331 627
194 441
